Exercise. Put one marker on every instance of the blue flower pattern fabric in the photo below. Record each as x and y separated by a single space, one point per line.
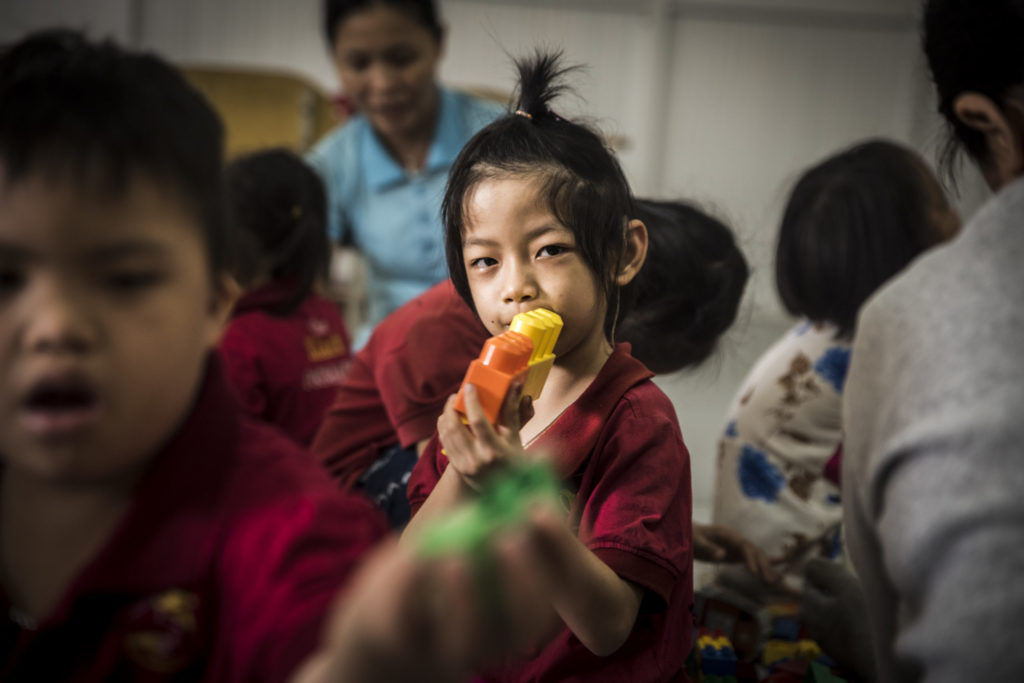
783 426
759 478
833 366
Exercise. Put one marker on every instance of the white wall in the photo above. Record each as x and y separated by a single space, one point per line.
724 101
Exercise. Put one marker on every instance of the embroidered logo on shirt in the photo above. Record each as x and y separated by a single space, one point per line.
163 631
324 348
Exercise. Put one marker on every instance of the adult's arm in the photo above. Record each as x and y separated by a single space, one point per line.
933 475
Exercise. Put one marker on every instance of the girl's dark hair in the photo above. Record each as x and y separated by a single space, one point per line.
973 45
100 117
423 11
582 182
277 212
688 292
852 222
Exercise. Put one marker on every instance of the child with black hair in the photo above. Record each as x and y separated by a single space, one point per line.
689 290
853 221
538 214
147 530
286 347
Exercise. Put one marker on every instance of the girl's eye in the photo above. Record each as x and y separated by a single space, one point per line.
552 250
130 281
482 262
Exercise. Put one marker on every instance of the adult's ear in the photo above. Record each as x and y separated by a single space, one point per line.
1004 155
633 254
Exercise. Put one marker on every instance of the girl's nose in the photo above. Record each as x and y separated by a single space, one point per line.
520 286
57 322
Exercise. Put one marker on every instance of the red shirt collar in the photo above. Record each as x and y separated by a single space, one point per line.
582 422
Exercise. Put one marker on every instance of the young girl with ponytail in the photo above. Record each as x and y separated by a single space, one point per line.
538 214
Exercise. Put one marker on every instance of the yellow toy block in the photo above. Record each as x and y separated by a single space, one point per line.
542 327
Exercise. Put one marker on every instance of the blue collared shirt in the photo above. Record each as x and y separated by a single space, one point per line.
393 216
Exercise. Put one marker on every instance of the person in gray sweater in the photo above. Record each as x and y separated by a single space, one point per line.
933 471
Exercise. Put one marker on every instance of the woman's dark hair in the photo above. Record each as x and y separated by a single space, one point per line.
423 11
100 117
688 292
582 182
852 222
973 45
277 212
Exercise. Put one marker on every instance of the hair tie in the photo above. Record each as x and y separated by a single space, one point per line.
524 114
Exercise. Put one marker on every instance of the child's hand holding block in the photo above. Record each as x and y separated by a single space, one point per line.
521 357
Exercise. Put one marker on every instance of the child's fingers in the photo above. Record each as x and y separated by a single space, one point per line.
454 436
526 411
510 417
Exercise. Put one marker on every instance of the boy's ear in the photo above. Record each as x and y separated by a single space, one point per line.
1005 159
223 295
634 253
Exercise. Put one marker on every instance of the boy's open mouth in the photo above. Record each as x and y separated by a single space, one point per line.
59 407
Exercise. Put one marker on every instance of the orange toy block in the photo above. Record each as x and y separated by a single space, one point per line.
502 366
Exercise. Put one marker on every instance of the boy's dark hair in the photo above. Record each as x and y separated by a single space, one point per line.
852 222
582 182
98 115
973 45
423 11
277 208
688 292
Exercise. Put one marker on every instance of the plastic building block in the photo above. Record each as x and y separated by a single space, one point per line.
521 357
542 327
504 501
502 367
776 651
715 654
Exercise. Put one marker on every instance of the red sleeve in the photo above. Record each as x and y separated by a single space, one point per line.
243 368
354 427
417 377
637 513
282 568
426 474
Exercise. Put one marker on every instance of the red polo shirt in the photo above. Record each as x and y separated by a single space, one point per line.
627 472
285 369
222 569
398 383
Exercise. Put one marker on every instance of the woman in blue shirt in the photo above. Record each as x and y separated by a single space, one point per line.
386 168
